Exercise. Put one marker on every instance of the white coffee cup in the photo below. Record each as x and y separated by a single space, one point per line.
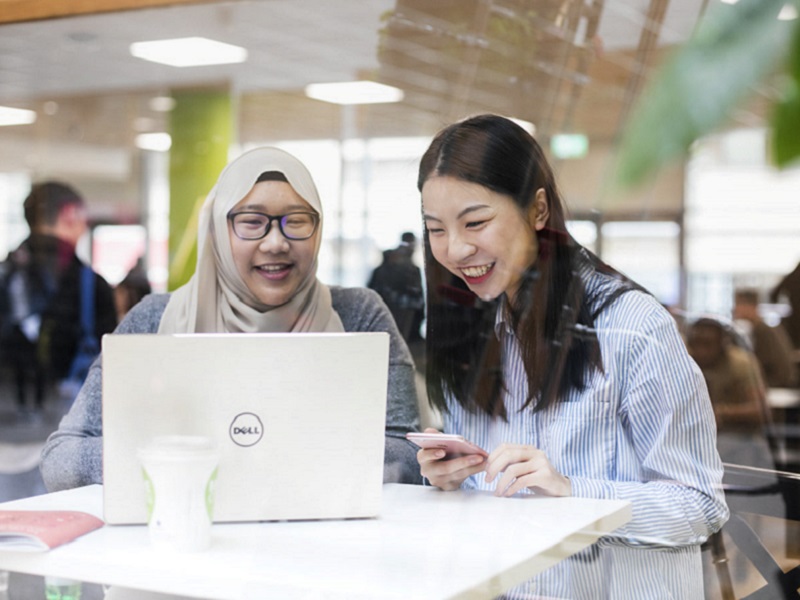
179 474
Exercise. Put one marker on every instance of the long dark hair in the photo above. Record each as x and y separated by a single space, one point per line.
552 316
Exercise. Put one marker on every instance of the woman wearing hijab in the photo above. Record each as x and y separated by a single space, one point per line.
258 239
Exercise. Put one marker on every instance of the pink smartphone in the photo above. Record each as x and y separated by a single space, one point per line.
454 445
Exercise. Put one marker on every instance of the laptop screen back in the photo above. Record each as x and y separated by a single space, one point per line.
299 419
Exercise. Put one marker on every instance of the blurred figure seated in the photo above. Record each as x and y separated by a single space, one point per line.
131 290
771 345
737 392
789 289
738 396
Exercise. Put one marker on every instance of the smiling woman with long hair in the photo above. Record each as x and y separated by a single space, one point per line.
572 377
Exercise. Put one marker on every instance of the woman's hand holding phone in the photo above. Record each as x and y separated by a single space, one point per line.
447 469
447 460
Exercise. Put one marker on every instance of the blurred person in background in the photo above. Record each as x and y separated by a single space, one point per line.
41 295
789 287
399 282
129 291
737 392
771 345
738 395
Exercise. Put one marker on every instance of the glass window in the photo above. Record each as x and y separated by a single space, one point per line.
742 220
648 252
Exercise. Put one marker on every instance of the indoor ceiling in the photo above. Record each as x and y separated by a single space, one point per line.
565 65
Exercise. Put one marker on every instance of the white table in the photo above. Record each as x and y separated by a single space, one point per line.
426 544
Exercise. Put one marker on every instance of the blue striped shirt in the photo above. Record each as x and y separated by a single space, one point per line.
642 430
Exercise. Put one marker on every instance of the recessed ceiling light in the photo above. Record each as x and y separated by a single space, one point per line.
158 142
354 92
729 1
16 116
188 52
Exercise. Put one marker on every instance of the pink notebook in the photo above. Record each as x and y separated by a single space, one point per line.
39 530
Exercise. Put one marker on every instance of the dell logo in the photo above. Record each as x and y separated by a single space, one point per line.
246 429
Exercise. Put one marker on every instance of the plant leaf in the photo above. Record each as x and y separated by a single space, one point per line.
785 120
733 48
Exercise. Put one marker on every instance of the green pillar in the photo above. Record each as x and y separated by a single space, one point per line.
201 126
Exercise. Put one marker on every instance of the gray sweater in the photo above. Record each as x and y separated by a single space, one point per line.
73 454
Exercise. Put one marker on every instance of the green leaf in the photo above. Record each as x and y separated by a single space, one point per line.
785 121
786 130
732 49
794 54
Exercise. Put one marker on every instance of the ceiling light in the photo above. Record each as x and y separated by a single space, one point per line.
158 142
788 13
729 1
354 92
16 116
188 52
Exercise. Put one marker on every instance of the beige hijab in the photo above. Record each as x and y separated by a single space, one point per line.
216 299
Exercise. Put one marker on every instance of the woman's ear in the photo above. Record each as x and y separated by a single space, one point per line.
539 210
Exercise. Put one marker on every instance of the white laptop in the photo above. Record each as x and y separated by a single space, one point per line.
299 418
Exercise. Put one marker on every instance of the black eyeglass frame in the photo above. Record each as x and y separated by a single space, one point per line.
270 218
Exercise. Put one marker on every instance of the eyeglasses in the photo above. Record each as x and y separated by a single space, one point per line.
255 225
